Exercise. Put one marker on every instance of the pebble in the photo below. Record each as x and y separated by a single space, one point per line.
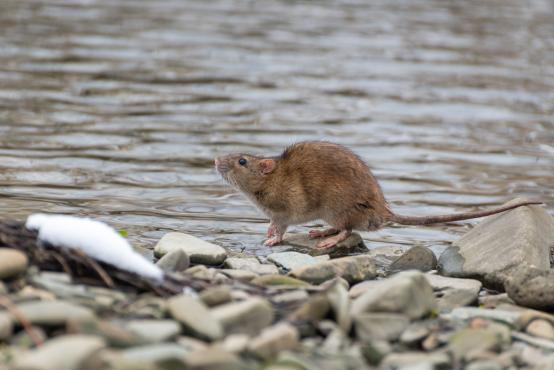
510 318
198 250
380 326
246 317
541 328
216 295
407 292
6 326
174 261
191 344
532 287
159 353
340 305
416 258
417 360
290 296
251 264
291 260
464 341
501 243
414 334
352 269
113 333
53 313
66 352
154 331
453 292
196 318
236 343
272 340
314 309
279 280
239 275
12 263
212 358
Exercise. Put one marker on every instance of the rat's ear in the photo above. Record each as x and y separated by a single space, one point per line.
267 166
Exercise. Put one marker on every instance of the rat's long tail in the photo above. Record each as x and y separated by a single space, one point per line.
426 220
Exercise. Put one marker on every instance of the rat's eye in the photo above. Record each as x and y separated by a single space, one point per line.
242 162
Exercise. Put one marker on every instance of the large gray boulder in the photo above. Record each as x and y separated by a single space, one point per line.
499 244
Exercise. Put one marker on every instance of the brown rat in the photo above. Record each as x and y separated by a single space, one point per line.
318 180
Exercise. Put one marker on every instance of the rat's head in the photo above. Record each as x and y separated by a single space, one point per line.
246 172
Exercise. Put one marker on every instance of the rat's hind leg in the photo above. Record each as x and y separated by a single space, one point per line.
322 233
334 240
276 233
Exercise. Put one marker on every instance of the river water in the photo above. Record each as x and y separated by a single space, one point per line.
116 109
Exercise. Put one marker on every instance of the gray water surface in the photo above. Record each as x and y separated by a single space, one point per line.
116 109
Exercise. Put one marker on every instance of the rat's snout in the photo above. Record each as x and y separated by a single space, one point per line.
221 165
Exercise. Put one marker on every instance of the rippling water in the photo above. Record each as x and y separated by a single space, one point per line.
115 109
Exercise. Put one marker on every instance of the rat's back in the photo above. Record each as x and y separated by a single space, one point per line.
331 180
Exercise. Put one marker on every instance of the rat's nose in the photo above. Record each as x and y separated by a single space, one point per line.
216 161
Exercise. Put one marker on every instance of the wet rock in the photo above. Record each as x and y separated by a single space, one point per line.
407 292
304 244
67 352
170 355
195 317
216 295
250 264
340 305
541 328
154 331
268 280
213 358
240 275
174 261
6 326
414 334
532 287
274 339
12 263
291 260
352 269
453 292
246 317
501 243
52 313
465 341
416 360
416 258
198 250
380 326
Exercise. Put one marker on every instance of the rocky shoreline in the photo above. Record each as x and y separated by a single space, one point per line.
484 304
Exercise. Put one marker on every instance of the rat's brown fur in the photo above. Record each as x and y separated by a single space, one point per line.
314 180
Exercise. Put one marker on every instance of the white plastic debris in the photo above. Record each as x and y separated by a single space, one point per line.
94 238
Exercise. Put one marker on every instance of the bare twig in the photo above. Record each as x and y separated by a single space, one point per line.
12 308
